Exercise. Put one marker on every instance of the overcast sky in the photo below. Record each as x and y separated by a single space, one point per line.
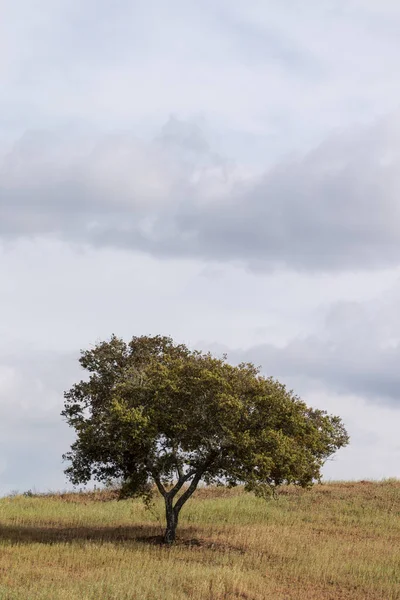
225 172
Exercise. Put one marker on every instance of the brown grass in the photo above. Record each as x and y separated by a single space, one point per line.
338 541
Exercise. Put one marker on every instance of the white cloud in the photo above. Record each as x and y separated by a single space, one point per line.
275 69
32 434
374 449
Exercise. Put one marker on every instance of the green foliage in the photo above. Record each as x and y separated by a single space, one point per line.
152 411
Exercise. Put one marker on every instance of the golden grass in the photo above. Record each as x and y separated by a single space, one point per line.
338 541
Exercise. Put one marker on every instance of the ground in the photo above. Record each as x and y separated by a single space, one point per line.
338 541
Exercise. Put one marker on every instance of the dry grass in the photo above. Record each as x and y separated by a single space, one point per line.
338 541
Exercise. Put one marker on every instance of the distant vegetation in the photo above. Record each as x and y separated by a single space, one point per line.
337 541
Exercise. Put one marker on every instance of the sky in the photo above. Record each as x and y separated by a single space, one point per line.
224 172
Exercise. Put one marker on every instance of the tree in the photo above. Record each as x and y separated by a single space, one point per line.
154 412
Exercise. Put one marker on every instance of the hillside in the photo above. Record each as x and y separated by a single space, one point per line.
338 541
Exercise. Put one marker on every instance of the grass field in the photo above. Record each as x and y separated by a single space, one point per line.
337 541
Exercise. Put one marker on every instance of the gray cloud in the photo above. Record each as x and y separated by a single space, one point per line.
357 353
335 208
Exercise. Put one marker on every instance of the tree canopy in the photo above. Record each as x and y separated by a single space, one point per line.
157 415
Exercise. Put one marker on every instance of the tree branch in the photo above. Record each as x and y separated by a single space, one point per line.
181 481
192 487
160 486
178 467
198 474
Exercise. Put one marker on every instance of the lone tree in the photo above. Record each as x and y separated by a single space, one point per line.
154 412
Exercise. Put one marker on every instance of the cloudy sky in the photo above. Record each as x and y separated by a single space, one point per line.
225 172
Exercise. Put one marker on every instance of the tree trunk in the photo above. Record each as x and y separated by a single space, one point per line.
171 511
172 522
